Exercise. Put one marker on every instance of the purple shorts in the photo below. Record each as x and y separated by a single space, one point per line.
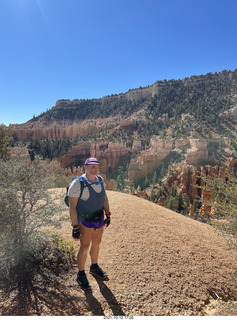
94 225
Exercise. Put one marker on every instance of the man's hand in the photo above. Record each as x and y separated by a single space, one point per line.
76 232
107 222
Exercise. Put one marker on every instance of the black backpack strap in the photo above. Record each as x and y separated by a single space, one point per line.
100 178
82 187
66 199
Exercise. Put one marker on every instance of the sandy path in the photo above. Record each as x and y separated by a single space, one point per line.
159 263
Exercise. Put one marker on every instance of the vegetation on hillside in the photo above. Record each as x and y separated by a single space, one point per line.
203 97
5 140
181 108
224 206
49 148
27 212
224 203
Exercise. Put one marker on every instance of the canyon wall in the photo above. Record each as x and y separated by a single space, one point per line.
110 155
52 125
142 162
55 123
190 181
149 160
197 152
55 131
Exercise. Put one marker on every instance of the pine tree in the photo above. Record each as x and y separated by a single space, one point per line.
146 181
180 206
152 196
173 190
171 203
120 181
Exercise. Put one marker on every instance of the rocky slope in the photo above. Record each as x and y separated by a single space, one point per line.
197 98
145 127
185 175
140 163
182 122
159 263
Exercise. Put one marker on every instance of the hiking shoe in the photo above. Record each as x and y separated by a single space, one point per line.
99 273
83 282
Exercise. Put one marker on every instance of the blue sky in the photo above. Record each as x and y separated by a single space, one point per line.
83 49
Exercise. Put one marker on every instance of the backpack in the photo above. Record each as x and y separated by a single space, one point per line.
66 199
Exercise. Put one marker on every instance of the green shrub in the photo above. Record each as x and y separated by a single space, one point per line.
59 255
26 207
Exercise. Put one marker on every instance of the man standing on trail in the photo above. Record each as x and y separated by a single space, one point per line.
87 203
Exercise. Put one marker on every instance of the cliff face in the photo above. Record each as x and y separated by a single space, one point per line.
53 125
197 152
71 130
110 155
158 102
149 160
144 162
190 181
54 130
194 108
76 156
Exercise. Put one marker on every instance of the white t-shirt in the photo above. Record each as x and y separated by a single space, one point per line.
75 188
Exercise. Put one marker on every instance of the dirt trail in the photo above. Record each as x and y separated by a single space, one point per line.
159 263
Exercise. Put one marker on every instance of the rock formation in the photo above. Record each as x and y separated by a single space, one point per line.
137 146
53 126
110 155
197 152
77 156
143 162
190 181
208 171
230 114
150 159
186 178
54 130
191 212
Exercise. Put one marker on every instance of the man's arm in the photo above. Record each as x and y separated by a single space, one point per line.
107 212
73 210
106 204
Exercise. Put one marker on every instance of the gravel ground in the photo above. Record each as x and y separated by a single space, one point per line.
159 263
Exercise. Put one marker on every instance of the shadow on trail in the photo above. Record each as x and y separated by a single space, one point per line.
49 298
110 298
94 305
48 295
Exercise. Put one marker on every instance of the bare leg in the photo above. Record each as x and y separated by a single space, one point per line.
85 240
95 248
